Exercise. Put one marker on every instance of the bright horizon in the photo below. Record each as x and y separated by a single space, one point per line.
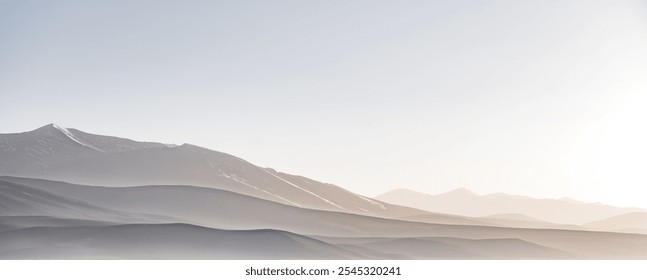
543 99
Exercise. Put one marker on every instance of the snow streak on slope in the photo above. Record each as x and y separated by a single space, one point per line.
294 185
242 181
367 199
71 136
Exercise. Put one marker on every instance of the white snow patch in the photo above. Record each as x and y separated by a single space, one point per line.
71 136
367 199
307 191
372 202
242 181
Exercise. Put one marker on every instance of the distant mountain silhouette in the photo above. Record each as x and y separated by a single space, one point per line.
631 222
466 203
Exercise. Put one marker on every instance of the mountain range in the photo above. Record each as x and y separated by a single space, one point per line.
68 194
504 206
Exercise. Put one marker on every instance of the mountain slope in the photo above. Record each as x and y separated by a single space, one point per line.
20 200
53 152
455 248
223 209
161 241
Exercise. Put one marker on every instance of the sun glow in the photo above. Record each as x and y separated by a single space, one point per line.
611 154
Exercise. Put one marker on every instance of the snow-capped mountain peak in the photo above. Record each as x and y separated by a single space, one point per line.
73 138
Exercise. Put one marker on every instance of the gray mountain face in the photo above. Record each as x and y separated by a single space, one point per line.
56 153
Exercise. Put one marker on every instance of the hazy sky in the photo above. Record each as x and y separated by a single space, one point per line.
541 98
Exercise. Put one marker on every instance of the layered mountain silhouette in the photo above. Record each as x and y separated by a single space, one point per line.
506 207
67 194
635 222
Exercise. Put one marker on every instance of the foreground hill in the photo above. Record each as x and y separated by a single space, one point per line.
60 220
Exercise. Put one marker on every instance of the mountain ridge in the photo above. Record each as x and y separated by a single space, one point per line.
71 155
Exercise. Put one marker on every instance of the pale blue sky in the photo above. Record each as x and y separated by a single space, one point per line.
542 98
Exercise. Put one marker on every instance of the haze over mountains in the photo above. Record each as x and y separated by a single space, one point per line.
635 222
466 203
123 199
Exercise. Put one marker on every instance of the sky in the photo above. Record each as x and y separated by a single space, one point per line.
538 98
